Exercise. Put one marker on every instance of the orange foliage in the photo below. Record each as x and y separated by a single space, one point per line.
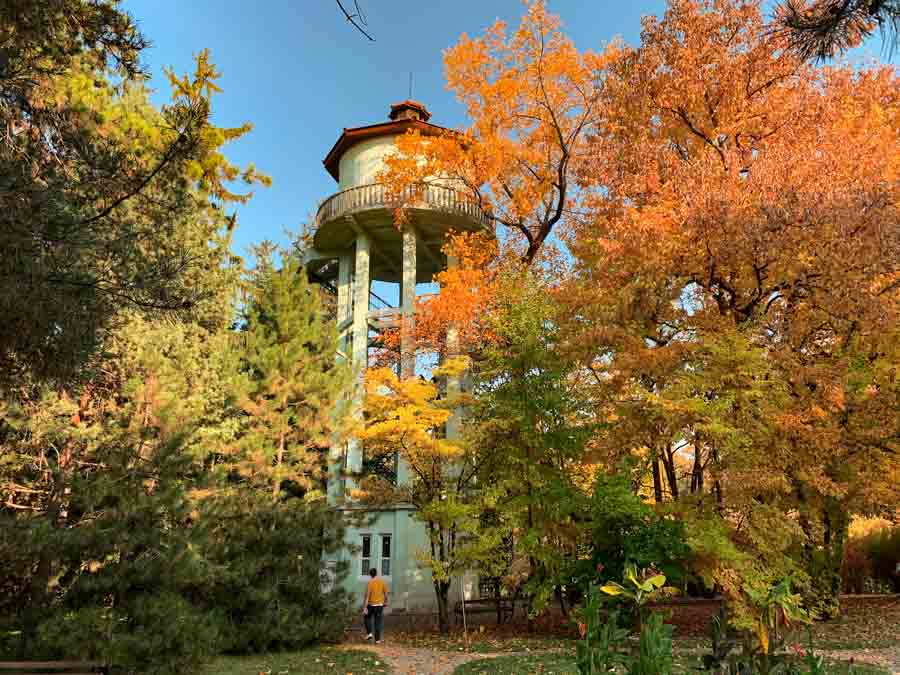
453 321
532 98
746 192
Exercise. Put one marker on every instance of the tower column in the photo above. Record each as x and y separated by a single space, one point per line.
345 346
408 304
361 305
453 383
344 301
359 340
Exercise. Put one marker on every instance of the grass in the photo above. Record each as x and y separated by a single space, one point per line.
521 664
313 661
564 664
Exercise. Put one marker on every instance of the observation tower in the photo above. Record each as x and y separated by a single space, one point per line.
356 244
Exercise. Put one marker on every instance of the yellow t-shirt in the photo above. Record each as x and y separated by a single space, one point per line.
376 591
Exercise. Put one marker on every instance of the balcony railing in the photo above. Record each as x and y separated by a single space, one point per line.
376 196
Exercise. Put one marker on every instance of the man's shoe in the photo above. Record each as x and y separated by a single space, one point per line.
369 636
379 642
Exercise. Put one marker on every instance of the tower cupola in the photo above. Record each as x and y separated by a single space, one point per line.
409 110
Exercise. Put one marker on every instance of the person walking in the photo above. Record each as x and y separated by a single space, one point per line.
373 606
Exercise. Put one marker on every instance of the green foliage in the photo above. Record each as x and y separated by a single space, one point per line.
158 632
603 643
814 664
601 647
144 532
626 530
654 648
108 203
775 609
265 560
111 553
266 522
530 419
638 590
291 387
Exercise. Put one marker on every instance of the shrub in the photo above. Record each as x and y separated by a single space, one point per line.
856 568
112 588
156 634
883 548
628 531
870 562
267 582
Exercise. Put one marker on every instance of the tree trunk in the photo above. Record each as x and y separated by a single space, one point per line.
657 481
561 597
671 476
697 471
837 523
442 591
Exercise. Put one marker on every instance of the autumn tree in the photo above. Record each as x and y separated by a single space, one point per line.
531 419
107 201
739 272
408 418
532 100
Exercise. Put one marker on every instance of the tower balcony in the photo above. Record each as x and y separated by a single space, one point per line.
369 209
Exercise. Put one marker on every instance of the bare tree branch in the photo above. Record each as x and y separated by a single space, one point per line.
358 16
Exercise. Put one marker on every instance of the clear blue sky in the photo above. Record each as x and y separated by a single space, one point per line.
300 73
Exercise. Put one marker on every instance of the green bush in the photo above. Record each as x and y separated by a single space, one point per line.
156 634
267 581
883 548
870 562
628 531
112 588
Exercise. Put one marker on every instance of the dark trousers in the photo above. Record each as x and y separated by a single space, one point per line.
375 620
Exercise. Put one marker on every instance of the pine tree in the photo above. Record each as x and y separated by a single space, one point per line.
97 495
291 387
108 202
269 525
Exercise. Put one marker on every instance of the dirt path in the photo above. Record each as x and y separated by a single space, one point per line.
421 661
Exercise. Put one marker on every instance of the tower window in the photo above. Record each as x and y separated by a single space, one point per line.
385 555
366 554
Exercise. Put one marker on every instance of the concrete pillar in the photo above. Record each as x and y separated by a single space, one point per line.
359 333
361 306
344 301
453 383
408 305
344 310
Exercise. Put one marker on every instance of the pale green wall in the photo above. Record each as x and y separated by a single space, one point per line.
410 585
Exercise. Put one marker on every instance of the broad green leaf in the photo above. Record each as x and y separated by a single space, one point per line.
657 581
